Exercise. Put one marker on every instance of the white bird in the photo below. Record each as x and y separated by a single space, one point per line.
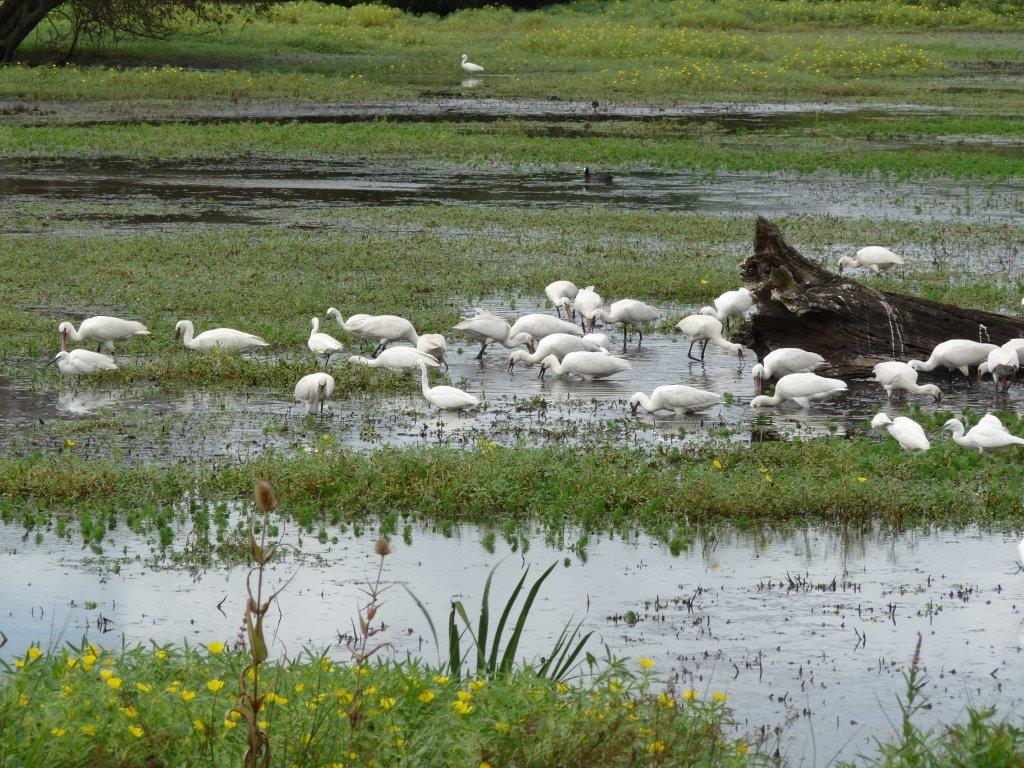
487 328
783 361
631 314
82 362
588 302
470 67
705 329
322 344
907 432
222 338
874 257
559 345
313 391
1020 549
955 355
589 365
561 293
398 359
102 329
988 435
738 303
435 345
801 388
1017 345
678 398
383 329
899 377
600 339
538 326
444 397
1002 364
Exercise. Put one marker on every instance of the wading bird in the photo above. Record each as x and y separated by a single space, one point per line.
81 362
631 314
705 329
588 302
102 329
899 378
874 257
801 388
559 345
1002 364
987 436
955 355
313 391
677 398
738 303
398 359
322 344
382 329
589 365
469 67
217 338
561 293
487 328
539 325
783 361
907 432
444 397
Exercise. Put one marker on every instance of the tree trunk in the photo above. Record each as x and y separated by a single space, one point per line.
851 325
17 20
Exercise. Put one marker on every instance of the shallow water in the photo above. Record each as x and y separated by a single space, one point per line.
753 614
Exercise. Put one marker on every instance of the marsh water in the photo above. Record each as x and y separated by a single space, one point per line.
808 631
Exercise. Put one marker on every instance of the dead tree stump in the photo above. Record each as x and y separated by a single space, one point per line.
854 327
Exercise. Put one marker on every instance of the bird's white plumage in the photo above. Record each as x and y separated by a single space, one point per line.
444 397
322 344
314 390
678 398
874 257
561 293
470 67
707 328
217 338
589 365
630 313
896 377
435 345
956 355
379 328
907 432
801 388
103 329
987 436
1002 364
557 344
738 303
82 362
487 328
398 359
539 325
588 302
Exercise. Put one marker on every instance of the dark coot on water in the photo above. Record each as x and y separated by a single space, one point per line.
589 177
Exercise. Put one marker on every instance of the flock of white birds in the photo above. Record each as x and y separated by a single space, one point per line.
569 346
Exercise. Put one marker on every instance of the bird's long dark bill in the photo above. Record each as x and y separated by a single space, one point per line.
48 364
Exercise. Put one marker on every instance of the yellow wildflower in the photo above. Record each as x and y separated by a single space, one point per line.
716 464
690 694
58 732
501 727
114 682
215 648
462 707
477 685
229 724
187 695
464 695
106 674
19 663
160 653
88 730
130 712
656 747
666 701
72 662
440 679
34 652
143 688
862 479
387 703
427 696
719 696
646 662
199 725
136 731
69 443
214 685
299 687
561 687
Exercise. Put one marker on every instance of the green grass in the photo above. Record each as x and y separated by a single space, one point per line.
647 51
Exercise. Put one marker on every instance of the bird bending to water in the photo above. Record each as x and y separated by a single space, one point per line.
322 344
783 361
313 391
705 329
444 397
561 293
590 177
435 345
631 314
102 329
988 435
216 338
557 344
487 328
738 303
899 378
589 365
907 432
1002 363
81 362
398 359
801 388
874 257
539 325
678 398
383 329
955 355
470 67
588 302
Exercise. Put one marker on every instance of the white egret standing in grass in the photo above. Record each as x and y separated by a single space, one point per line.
784 361
81 362
630 313
469 67
217 338
801 388
102 329
677 398
589 365
561 293
487 328
313 391
322 344
874 257
705 329
907 432
899 378
444 397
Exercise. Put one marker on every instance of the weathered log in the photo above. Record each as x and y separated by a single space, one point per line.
853 326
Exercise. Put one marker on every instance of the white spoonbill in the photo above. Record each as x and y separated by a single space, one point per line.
588 302
539 325
487 328
444 397
783 361
102 329
705 329
801 388
222 338
383 329
1002 364
322 344
81 362
470 67
435 345
557 344
398 359
631 314
955 355
899 377
313 391
874 257
738 303
561 293
678 398
907 432
589 365
988 435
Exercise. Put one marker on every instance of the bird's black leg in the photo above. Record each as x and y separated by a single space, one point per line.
623 335
703 349
640 330
480 354
689 352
